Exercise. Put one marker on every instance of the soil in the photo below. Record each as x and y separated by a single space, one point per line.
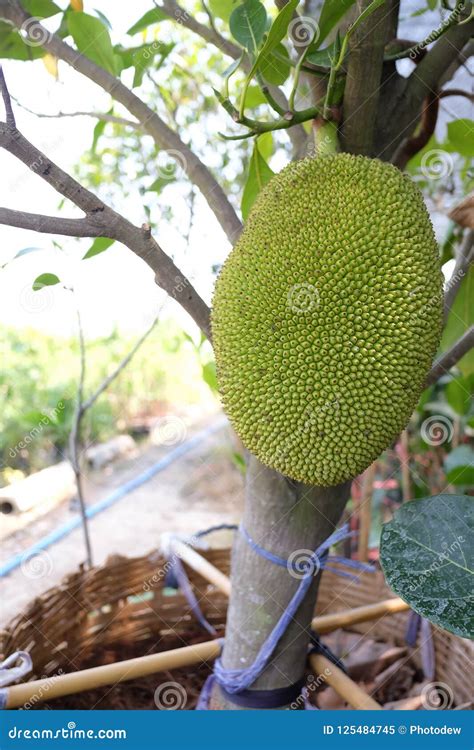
202 488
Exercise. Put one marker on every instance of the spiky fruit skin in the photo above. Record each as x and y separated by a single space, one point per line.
326 316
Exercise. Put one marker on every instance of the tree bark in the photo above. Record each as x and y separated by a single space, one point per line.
284 517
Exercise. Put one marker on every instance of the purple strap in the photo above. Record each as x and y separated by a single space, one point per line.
236 680
418 624
186 588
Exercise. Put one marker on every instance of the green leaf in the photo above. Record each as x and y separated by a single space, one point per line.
458 395
223 8
461 136
254 97
273 68
209 375
45 279
98 246
41 8
92 39
323 57
14 47
426 554
459 466
248 23
148 19
460 318
98 131
259 174
331 13
279 26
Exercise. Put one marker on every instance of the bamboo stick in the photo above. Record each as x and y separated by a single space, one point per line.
327 623
109 674
202 566
342 684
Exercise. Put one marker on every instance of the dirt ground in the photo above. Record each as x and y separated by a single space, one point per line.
200 489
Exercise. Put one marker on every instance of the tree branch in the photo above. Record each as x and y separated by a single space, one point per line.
181 16
104 116
164 136
101 221
50 224
447 360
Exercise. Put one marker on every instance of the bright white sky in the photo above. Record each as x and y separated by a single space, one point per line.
115 288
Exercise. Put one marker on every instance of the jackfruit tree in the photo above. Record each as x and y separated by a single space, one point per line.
328 312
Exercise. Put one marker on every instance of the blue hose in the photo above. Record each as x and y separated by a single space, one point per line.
118 494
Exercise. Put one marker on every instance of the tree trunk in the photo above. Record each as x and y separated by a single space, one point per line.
286 518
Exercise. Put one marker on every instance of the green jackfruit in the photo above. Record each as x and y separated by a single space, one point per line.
327 315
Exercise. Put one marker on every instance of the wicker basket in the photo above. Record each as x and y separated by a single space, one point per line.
124 608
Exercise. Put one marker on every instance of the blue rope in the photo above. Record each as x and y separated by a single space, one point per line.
236 680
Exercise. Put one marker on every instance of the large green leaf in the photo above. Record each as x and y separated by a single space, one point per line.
461 136
41 8
148 19
459 394
247 24
92 39
459 466
427 555
259 174
460 318
275 69
331 13
223 8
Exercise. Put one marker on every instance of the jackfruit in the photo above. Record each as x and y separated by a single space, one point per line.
326 316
